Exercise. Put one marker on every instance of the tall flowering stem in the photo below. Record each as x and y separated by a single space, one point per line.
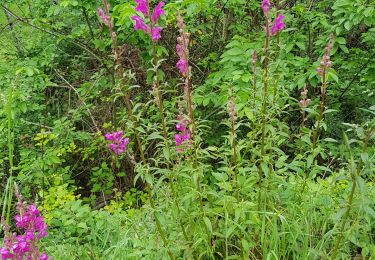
183 137
106 20
277 26
34 228
266 7
233 120
323 69
183 65
254 62
277 52
155 32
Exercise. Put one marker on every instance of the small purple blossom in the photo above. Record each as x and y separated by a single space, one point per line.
5 253
25 245
43 256
142 6
139 24
182 139
156 33
266 6
183 66
278 24
103 16
118 144
182 48
158 12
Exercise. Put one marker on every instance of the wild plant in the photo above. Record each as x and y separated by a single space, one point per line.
26 244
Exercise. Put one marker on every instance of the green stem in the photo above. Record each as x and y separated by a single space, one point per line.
235 161
159 96
355 174
264 109
10 155
157 221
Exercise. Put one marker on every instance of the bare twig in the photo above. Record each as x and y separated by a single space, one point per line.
80 99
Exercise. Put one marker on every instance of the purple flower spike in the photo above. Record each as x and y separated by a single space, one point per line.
183 66
182 139
139 24
158 12
266 6
142 6
278 25
118 144
156 33
5 253
105 18
25 245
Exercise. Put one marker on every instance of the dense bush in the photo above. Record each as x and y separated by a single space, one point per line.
190 129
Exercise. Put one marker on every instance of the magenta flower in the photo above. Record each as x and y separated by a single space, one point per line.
142 6
139 24
278 24
183 66
5 253
156 33
182 139
158 12
43 257
182 48
26 245
103 16
266 6
118 144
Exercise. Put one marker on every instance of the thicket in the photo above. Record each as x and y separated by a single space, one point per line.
197 129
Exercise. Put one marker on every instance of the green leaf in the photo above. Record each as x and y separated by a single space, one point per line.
207 222
154 136
166 153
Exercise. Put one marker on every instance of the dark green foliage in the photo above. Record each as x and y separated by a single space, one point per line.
265 186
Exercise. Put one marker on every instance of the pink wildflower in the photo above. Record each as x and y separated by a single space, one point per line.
278 24
182 48
156 33
266 6
103 16
182 139
142 6
139 24
25 245
183 66
158 12
118 143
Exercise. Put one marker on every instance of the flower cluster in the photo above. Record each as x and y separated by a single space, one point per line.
118 144
304 102
232 110
278 25
32 223
326 62
266 6
182 139
182 48
152 29
104 17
